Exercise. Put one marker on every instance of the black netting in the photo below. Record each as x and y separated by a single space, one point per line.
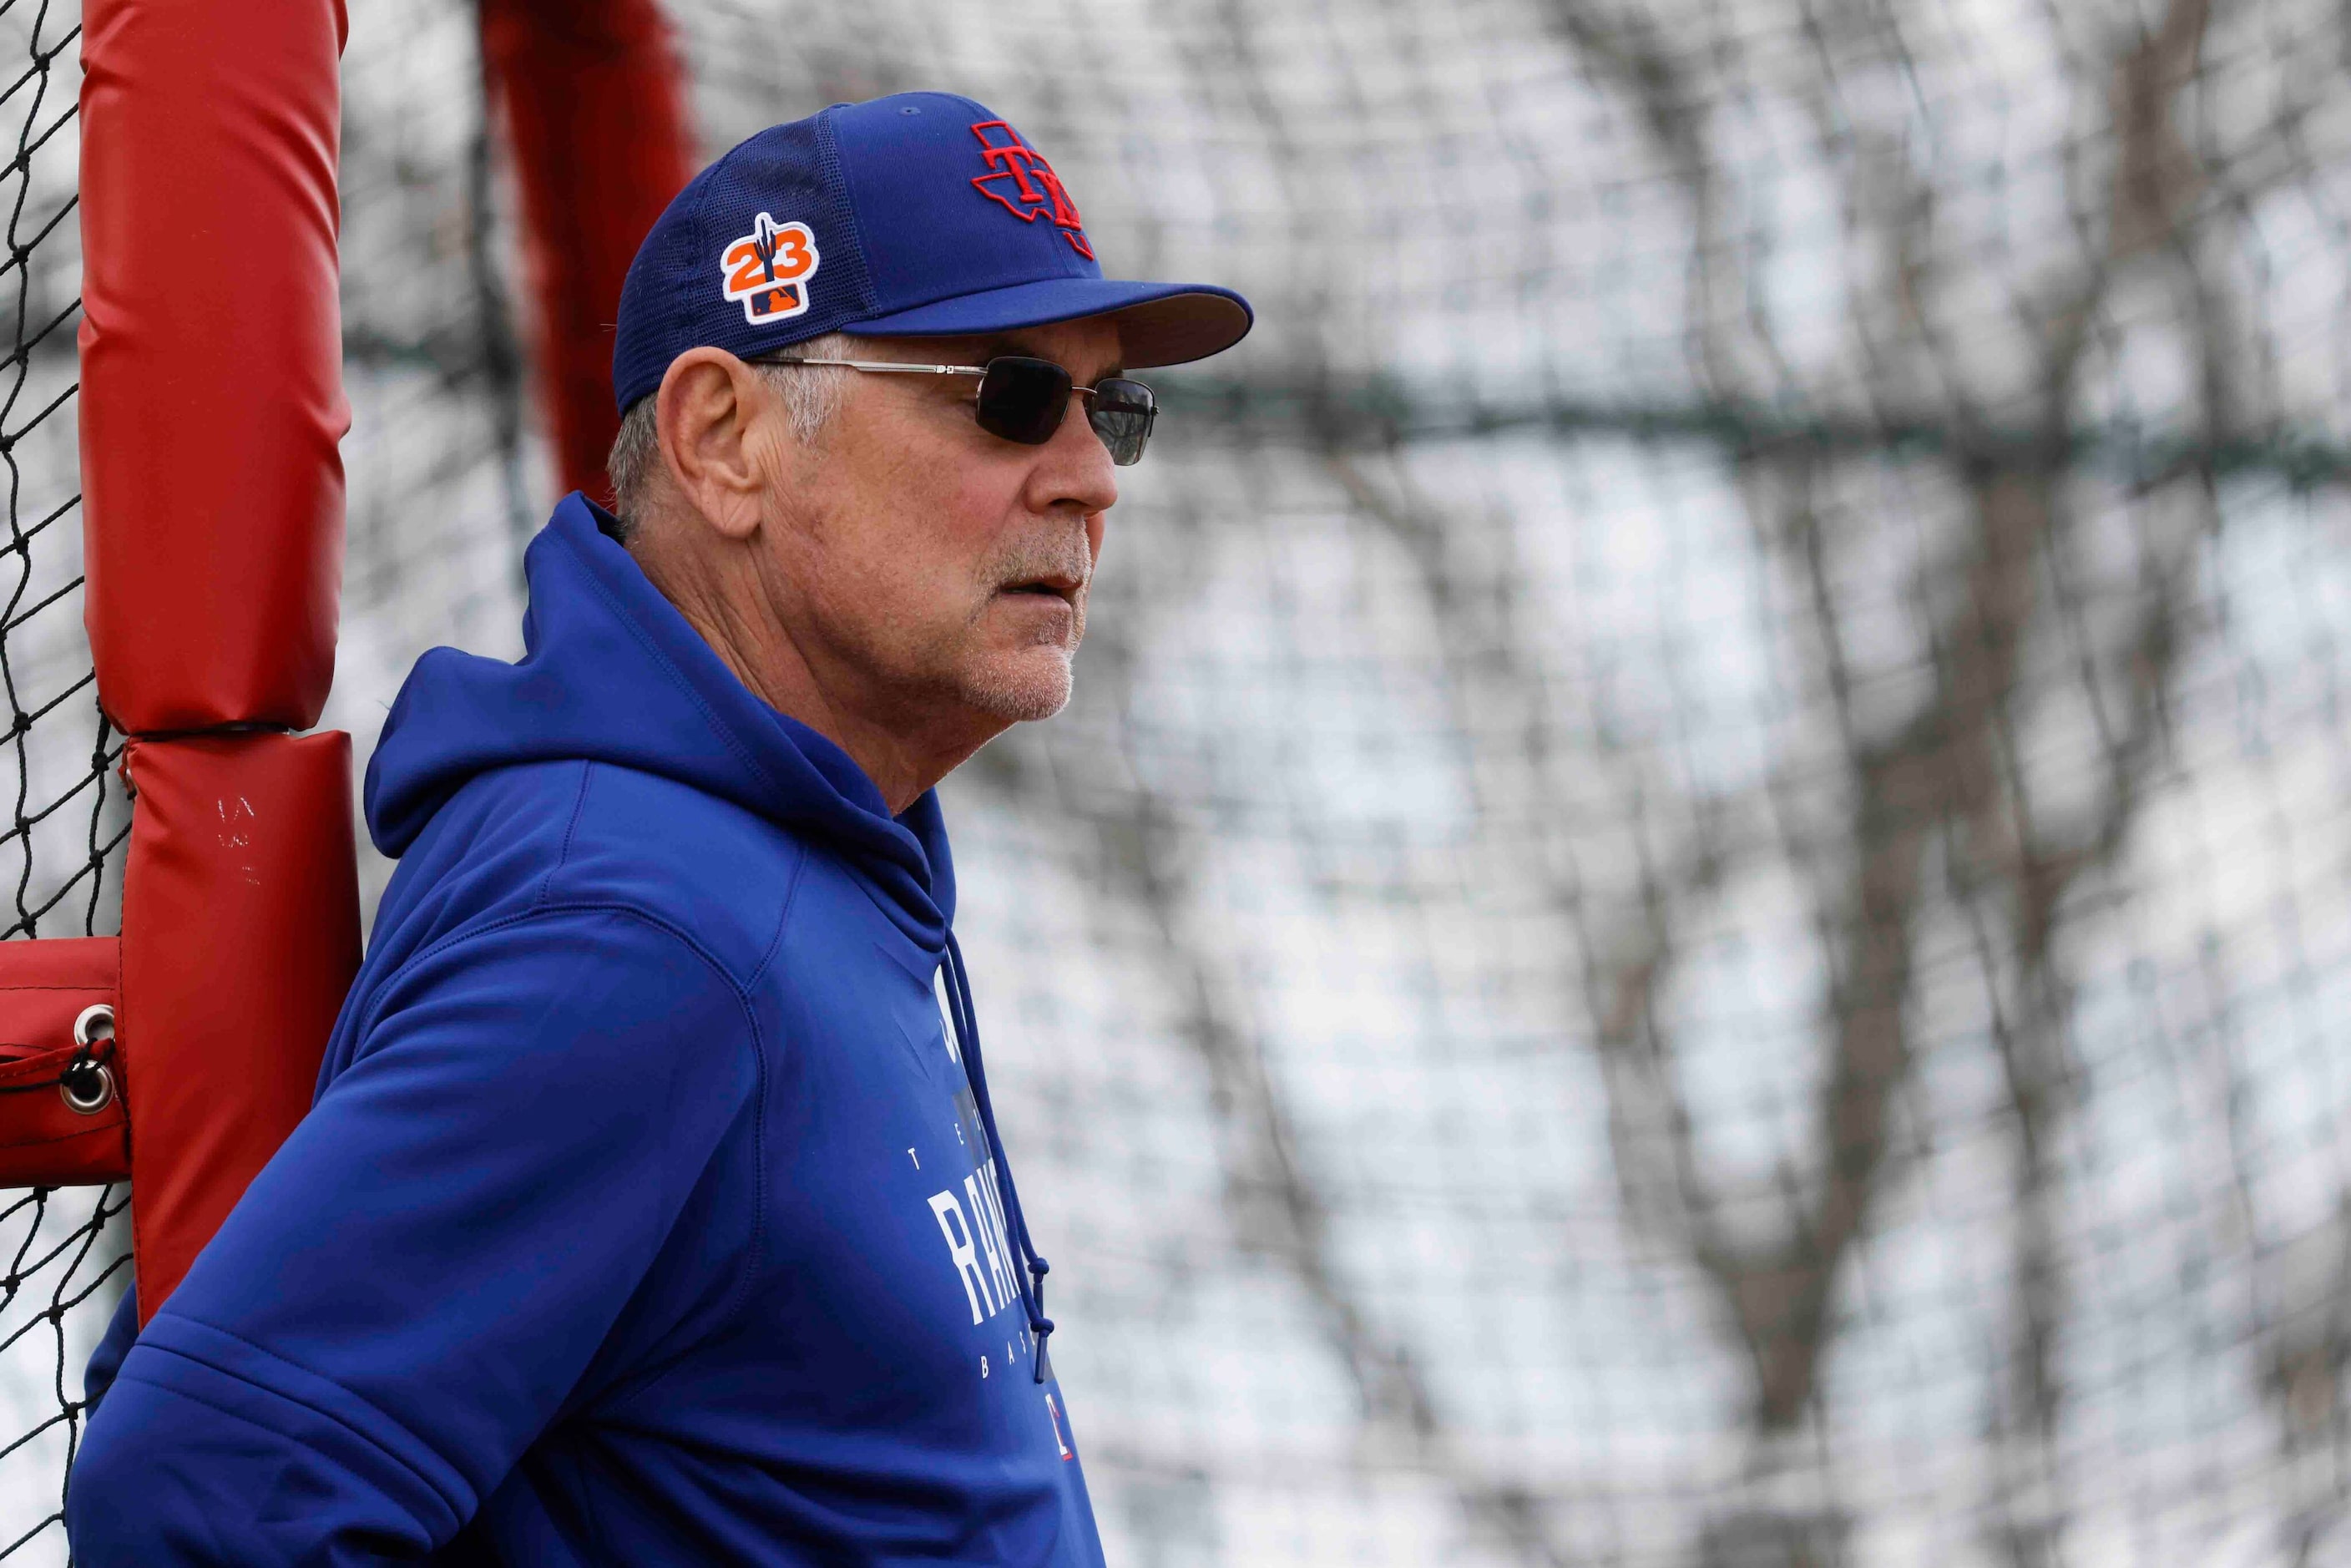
63 1253
1693 908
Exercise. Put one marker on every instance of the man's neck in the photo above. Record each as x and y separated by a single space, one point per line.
901 752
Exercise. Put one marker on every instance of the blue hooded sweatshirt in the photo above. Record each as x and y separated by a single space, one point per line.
647 1213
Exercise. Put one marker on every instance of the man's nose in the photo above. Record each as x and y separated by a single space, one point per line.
1075 471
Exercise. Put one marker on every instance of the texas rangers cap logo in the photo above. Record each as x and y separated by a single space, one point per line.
1019 178
768 269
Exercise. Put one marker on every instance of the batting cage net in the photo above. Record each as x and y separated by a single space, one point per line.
1693 909
63 1253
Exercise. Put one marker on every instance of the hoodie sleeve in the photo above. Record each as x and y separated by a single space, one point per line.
412 1287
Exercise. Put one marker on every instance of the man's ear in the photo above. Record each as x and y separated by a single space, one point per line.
709 416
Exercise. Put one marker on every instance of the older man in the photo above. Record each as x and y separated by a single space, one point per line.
648 1214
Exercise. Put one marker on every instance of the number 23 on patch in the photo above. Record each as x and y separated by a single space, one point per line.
768 269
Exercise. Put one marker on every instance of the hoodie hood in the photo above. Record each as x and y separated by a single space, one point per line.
612 672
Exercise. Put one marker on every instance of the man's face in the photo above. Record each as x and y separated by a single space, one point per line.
940 566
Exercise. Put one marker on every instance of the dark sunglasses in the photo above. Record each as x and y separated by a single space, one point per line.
1023 400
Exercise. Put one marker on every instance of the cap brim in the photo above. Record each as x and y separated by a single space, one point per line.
1158 323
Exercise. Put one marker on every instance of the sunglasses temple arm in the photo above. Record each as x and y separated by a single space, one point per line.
888 366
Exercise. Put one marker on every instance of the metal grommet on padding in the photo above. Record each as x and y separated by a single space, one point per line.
86 1085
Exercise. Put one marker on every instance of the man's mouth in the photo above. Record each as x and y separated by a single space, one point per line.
1064 589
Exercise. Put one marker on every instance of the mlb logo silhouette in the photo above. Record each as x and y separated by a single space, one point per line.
768 269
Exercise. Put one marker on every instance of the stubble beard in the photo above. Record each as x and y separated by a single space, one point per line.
1021 686
970 674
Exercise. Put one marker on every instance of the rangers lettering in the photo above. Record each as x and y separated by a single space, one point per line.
960 1250
991 1240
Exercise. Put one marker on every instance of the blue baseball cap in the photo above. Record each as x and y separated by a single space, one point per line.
919 215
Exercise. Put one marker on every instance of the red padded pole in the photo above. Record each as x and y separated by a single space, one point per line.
213 520
596 115
211 359
240 937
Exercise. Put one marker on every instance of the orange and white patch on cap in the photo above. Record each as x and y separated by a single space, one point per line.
768 269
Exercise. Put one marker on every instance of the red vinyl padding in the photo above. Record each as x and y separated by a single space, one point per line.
211 359
596 115
44 986
240 921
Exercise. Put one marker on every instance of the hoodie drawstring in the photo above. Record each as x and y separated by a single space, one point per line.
1030 1279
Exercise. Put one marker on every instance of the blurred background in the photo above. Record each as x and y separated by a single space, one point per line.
1690 908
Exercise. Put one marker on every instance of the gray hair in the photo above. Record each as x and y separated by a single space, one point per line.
810 397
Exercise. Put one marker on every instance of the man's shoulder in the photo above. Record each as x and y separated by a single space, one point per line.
578 835
716 870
